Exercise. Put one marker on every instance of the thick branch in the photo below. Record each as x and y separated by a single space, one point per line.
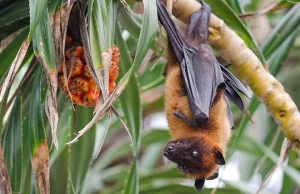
249 68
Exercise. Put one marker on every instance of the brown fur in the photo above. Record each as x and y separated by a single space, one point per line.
214 135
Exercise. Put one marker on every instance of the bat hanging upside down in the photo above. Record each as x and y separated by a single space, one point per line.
197 92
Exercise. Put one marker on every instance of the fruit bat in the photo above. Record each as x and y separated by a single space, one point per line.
197 92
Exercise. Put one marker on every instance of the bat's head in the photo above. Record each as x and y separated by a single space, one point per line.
196 157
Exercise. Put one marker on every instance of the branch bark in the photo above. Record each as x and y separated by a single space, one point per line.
249 68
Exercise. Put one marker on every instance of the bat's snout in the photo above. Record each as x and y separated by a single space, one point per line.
170 150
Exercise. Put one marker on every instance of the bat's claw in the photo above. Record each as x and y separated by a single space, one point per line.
181 116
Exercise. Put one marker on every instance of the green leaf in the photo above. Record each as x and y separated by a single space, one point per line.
132 183
95 47
43 42
82 151
65 126
9 53
236 6
148 33
102 21
14 27
104 15
130 101
26 90
60 158
37 11
14 12
12 144
37 134
130 98
283 29
129 23
282 51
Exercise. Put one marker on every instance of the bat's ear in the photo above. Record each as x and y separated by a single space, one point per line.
199 183
219 157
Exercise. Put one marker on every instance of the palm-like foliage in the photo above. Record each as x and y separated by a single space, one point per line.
124 166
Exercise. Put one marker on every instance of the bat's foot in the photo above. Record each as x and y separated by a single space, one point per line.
198 24
192 26
214 176
179 115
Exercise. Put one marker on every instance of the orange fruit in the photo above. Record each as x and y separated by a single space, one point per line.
80 83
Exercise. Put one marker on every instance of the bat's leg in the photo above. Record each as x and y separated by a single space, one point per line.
198 23
181 116
214 176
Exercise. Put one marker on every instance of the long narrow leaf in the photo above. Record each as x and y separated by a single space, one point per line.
13 27
44 50
130 101
37 137
283 29
14 12
7 80
9 53
37 9
82 151
12 144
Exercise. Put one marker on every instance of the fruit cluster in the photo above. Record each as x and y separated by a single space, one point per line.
82 87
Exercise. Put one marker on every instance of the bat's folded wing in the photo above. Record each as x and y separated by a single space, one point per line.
202 78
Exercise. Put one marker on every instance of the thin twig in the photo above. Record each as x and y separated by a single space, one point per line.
123 123
273 7
286 146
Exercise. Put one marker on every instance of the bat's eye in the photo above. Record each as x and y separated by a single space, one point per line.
195 154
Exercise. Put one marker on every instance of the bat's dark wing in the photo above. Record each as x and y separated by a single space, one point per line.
200 70
233 86
208 77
